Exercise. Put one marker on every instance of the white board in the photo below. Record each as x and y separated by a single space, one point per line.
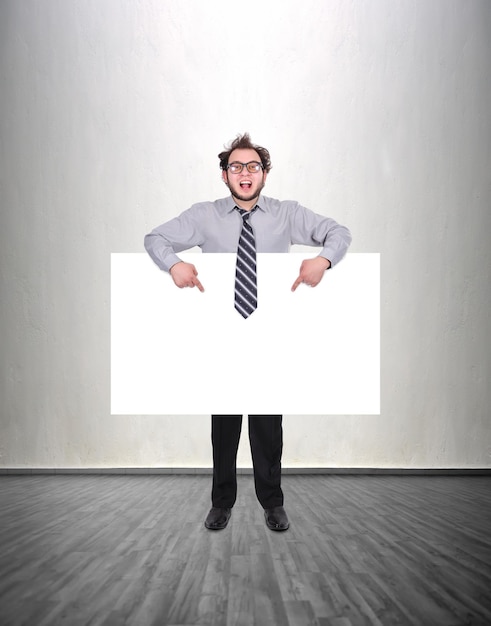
179 351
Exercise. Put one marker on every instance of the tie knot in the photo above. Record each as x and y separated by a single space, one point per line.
245 214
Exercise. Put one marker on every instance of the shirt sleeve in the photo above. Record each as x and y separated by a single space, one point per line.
176 235
311 229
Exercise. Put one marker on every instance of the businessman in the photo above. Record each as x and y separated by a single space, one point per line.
247 222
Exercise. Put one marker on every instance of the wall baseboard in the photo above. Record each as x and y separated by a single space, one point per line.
355 471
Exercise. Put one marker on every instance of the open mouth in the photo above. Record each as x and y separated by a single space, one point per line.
245 184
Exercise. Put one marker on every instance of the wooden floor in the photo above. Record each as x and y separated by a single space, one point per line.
88 550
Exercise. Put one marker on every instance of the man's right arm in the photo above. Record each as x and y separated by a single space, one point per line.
176 235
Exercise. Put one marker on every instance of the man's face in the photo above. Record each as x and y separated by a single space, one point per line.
245 186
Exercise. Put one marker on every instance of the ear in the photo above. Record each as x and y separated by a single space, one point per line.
225 176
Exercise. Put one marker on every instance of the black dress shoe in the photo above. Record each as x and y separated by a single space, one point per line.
217 518
276 518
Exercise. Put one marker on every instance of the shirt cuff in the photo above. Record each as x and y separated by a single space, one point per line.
331 254
324 256
170 260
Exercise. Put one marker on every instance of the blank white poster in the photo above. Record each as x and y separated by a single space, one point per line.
179 351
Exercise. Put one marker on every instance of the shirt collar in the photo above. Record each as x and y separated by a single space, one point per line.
230 204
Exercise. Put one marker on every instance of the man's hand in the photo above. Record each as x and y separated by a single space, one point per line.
312 271
184 275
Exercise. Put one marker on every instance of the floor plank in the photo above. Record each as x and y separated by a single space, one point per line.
111 550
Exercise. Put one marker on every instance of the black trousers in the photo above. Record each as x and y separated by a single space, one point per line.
266 439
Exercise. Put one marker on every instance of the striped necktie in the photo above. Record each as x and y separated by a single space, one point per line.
245 271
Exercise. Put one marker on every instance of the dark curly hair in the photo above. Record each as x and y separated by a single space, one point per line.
244 142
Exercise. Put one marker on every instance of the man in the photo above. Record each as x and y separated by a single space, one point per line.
247 222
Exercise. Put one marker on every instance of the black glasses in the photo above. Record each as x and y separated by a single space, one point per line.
253 167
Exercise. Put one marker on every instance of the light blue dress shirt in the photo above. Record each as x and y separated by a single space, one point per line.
215 227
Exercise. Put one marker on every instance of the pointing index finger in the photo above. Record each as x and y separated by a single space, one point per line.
296 283
198 284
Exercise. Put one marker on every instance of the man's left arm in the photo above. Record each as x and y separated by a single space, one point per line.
311 229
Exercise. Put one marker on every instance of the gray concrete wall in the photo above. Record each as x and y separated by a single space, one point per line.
375 112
